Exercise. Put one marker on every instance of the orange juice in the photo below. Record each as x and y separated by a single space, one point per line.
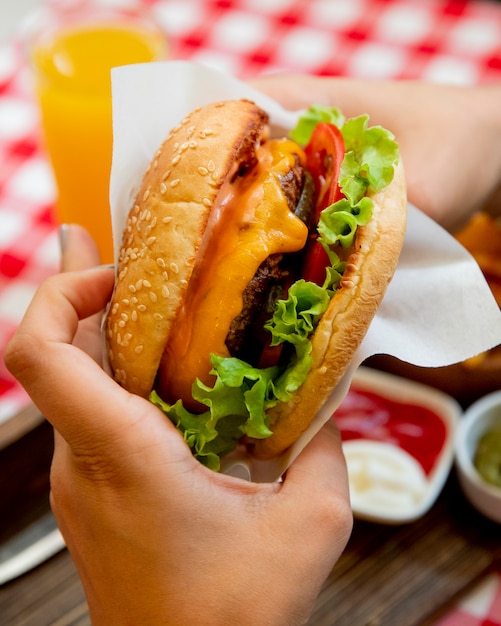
73 83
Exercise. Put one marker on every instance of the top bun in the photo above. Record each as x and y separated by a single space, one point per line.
164 231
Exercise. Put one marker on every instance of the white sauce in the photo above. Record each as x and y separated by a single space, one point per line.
383 478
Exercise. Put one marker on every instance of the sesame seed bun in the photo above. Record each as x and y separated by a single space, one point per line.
164 231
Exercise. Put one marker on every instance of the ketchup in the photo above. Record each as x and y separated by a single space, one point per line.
416 429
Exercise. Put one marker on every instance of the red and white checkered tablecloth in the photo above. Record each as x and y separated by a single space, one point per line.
453 41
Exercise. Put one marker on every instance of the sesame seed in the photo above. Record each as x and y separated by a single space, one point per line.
160 262
133 316
158 317
146 194
126 301
163 188
211 166
121 356
138 349
165 291
203 171
165 276
167 219
134 300
139 284
132 288
166 175
176 159
151 241
147 284
114 310
185 146
207 202
153 296
125 317
142 308
175 182
121 324
174 267
193 144
120 376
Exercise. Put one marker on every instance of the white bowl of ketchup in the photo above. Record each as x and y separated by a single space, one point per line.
398 440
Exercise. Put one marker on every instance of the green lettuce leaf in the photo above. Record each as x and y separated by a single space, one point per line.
310 118
339 222
295 318
375 151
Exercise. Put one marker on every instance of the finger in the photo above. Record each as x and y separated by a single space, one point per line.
40 354
78 252
319 478
78 249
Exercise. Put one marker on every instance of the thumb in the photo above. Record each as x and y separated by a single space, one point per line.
78 249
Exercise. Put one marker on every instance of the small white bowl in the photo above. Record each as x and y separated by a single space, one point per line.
478 418
387 484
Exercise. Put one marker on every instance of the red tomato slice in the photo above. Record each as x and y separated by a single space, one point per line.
315 262
324 155
270 355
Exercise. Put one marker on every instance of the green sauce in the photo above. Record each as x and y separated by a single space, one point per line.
488 456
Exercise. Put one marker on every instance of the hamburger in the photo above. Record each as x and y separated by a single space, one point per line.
250 269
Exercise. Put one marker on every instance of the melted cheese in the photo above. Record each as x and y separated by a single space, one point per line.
249 223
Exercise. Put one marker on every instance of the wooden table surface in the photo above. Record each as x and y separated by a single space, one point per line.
404 575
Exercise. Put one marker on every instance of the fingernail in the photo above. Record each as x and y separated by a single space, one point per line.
63 237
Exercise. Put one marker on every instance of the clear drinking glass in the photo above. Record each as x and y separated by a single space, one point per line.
72 50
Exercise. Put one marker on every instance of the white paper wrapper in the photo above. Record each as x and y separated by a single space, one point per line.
438 309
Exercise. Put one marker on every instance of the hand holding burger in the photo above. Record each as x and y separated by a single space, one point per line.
250 270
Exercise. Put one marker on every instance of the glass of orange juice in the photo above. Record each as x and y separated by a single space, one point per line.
72 51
